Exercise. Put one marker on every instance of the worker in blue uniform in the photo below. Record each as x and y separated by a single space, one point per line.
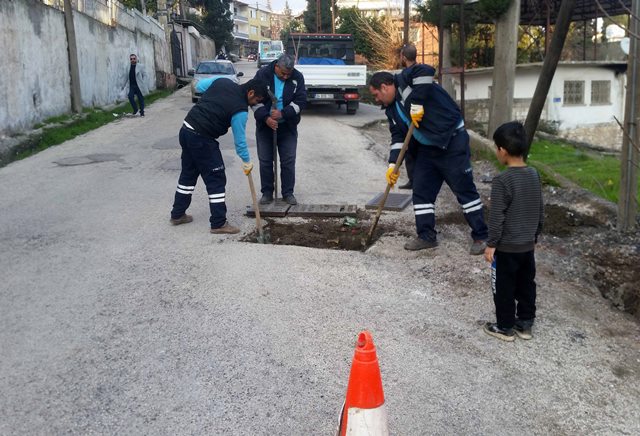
287 84
223 104
441 150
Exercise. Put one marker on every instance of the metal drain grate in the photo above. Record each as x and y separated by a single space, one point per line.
323 210
395 202
276 209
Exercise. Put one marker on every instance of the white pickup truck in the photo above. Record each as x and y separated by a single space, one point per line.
326 62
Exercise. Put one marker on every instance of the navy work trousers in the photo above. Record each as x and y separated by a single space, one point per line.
514 291
201 157
287 144
432 166
133 91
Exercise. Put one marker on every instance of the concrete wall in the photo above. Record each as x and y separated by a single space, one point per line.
35 83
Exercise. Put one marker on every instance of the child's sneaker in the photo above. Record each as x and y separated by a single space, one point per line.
523 330
492 329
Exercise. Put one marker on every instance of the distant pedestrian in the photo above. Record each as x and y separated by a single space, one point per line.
515 222
287 85
137 79
224 104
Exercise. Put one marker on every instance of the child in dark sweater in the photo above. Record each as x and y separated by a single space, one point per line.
515 222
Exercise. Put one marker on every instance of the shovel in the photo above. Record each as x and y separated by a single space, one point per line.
274 102
262 238
403 150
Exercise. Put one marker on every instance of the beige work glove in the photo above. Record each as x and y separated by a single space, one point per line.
247 167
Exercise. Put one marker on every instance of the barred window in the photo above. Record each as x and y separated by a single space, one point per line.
600 92
573 92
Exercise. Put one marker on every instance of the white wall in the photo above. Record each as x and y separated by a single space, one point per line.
35 82
568 116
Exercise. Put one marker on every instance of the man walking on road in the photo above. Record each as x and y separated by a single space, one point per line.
137 79
222 105
442 152
287 85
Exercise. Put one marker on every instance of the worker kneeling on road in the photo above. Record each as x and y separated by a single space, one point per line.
223 104
287 85
442 152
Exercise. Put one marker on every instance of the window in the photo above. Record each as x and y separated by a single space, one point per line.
490 91
573 92
254 30
252 13
600 92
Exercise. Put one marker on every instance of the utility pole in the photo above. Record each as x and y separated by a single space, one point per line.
406 22
627 203
72 50
504 71
318 17
333 16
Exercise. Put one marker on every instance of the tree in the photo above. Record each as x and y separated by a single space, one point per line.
310 21
216 21
351 22
293 26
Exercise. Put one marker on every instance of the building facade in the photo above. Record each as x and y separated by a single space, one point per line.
251 23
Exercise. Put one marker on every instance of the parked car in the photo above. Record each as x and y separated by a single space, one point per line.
252 57
213 68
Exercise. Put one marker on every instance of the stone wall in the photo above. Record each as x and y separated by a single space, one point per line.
35 83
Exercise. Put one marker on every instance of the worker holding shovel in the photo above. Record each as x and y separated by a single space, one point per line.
442 150
223 104
277 127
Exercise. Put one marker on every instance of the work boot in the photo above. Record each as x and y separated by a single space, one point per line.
266 199
419 244
477 247
408 185
184 219
226 229
290 199
492 329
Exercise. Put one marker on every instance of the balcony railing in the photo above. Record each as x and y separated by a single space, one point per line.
240 18
240 35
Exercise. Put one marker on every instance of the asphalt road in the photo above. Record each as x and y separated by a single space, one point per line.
114 322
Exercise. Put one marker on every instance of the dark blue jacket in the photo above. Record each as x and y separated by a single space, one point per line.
294 98
442 116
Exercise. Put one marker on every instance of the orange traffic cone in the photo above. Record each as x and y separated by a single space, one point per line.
364 412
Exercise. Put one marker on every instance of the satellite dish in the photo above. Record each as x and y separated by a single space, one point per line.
624 45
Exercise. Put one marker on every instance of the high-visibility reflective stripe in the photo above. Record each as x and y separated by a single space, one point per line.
186 187
396 146
423 206
423 80
425 211
471 203
295 107
216 195
405 93
216 200
255 107
473 209
188 126
182 191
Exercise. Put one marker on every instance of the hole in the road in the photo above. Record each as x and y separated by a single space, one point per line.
329 233
88 159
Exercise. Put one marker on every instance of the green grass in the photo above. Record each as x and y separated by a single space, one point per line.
595 172
74 126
